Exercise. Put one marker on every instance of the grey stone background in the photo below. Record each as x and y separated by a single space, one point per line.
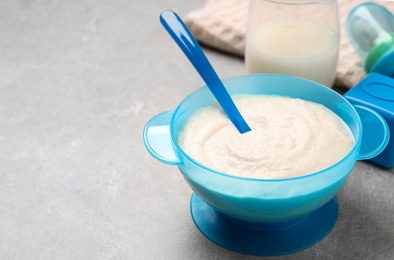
78 82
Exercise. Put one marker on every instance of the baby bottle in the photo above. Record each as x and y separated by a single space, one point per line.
370 28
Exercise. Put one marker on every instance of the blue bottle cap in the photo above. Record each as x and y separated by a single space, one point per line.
385 65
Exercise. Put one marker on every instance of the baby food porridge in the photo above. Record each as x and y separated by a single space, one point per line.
290 137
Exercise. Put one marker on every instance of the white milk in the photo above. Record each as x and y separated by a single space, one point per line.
293 48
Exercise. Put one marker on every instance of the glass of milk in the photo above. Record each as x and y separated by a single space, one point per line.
293 37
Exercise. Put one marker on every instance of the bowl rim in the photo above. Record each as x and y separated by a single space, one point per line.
355 148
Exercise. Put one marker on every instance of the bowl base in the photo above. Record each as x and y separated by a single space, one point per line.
264 242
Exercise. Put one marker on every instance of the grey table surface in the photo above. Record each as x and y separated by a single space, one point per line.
79 80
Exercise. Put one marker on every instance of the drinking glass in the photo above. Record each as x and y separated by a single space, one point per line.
293 37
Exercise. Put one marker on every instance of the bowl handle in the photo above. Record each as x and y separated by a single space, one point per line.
376 133
157 139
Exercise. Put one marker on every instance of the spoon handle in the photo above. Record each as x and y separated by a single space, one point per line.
186 41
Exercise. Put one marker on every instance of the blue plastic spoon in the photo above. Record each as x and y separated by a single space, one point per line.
186 41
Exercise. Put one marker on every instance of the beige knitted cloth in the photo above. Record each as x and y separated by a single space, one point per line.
222 24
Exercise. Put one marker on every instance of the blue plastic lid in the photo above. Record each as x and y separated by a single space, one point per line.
378 86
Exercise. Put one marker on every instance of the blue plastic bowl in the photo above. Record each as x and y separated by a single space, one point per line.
256 200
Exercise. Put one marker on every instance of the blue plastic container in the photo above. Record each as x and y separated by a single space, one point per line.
376 91
256 203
